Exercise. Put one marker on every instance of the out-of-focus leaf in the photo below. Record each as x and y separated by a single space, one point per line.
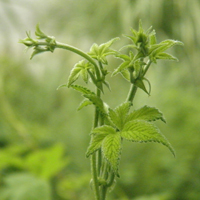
24 186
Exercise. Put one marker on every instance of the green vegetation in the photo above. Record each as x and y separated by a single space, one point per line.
43 140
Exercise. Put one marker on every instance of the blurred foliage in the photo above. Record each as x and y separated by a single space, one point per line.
43 139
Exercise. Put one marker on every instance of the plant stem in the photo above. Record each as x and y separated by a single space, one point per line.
133 88
95 165
131 93
147 67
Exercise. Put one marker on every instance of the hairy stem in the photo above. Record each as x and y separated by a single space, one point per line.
95 165
131 93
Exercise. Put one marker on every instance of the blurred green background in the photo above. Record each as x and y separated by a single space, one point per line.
43 139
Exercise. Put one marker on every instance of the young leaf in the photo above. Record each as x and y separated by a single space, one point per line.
156 49
95 144
128 61
84 103
118 116
166 56
82 89
146 113
143 131
111 148
97 102
126 75
104 130
99 134
122 67
100 52
61 86
79 69
39 33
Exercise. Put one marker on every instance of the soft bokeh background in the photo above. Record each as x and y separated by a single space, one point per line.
43 139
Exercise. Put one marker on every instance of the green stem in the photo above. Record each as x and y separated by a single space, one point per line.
73 49
133 88
147 67
94 162
131 93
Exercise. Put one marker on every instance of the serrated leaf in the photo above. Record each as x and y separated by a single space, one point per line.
166 56
82 89
95 144
97 102
74 74
143 131
84 103
118 116
146 113
105 129
111 148
80 68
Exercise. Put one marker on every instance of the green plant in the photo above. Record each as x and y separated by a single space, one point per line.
112 126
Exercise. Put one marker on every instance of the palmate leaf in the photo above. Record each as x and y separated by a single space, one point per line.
146 113
143 131
157 49
100 52
111 148
79 69
118 116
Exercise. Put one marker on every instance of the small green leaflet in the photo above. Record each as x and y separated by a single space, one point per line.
98 138
118 116
157 49
82 89
98 135
97 102
39 33
79 69
111 148
143 131
100 52
84 103
166 56
124 65
146 113
109 140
